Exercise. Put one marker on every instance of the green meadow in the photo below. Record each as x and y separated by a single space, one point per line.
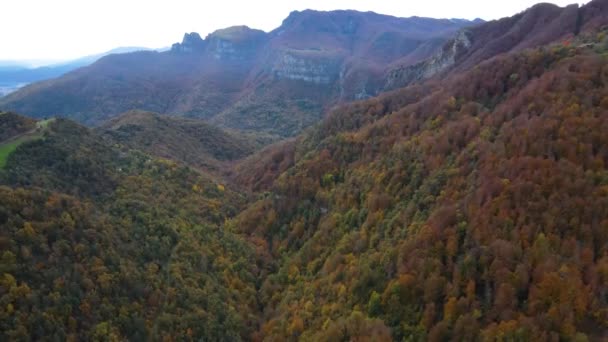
9 147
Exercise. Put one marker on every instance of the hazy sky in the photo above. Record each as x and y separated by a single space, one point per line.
62 29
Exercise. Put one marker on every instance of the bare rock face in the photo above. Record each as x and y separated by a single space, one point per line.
403 76
192 42
236 43
312 69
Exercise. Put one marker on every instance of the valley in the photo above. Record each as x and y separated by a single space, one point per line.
348 176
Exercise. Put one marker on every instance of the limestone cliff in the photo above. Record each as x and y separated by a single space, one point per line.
192 42
446 58
308 68
236 43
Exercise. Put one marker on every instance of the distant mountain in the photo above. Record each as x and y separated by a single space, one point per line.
14 75
278 82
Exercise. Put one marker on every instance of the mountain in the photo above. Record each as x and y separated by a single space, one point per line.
474 207
14 76
542 24
240 78
192 142
468 206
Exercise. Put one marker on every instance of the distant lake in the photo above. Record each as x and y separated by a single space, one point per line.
7 87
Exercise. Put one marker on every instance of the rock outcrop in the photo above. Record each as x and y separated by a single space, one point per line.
236 43
405 75
308 68
192 42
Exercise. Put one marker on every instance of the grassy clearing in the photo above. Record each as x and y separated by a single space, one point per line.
44 123
7 148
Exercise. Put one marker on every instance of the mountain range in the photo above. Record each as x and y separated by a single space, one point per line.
466 200
283 81
278 83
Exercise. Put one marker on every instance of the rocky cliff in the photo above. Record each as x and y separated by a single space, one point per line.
307 67
192 42
447 57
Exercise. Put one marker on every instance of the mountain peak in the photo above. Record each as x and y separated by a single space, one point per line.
190 43
237 33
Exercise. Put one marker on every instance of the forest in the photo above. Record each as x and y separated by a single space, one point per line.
468 207
103 244
474 208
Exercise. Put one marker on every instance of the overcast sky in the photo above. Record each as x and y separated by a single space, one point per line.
64 29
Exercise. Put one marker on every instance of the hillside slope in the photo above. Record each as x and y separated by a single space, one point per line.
99 244
278 82
12 125
475 208
191 142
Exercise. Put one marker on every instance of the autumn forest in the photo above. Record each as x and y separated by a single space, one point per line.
467 205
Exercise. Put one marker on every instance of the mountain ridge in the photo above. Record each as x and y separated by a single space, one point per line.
541 24
234 75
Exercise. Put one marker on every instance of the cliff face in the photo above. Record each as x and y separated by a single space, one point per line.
402 76
350 49
237 43
298 67
192 42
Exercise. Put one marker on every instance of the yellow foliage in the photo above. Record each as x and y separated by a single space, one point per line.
296 327
28 229
452 103
294 272
449 310
8 281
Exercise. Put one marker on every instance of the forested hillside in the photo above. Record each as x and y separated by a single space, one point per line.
99 244
189 141
475 208
468 206
12 125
